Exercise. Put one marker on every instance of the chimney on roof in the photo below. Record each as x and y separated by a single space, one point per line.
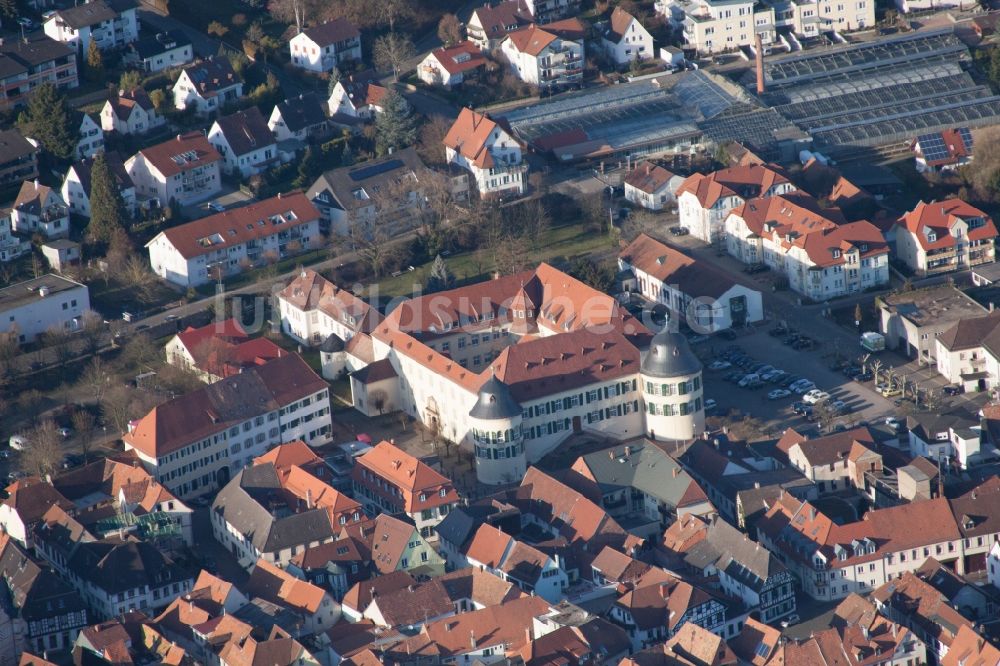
36 184
628 451
677 471
309 498
472 639
759 49
527 635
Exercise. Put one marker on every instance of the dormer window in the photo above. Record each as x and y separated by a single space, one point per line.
836 253
864 247
931 237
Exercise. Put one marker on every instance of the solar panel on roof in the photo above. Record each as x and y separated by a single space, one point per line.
366 172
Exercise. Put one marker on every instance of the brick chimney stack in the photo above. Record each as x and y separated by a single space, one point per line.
759 52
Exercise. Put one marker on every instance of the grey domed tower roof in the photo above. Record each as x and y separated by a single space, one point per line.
495 401
332 344
670 356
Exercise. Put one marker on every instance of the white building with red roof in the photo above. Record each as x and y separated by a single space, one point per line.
625 39
942 151
389 480
945 236
196 442
237 239
550 56
356 96
820 254
479 145
326 46
185 170
489 24
448 66
651 186
219 350
704 201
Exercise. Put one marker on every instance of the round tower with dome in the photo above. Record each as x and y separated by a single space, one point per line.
671 388
495 434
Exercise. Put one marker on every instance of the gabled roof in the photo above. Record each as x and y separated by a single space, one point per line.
832 448
92 13
183 153
531 40
488 546
280 587
150 47
618 25
310 291
36 592
410 475
363 89
236 226
229 330
937 219
386 539
648 177
245 131
971 649
673 267
332 32
462 57
973 332
745 182
302 112
125 102
116 165
470 136
361 594
948 146
31 498
354 187
211 76
496 20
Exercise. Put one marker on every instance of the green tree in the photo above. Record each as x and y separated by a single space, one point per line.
395 127
107 209
309 168
48 120
440 277
95 62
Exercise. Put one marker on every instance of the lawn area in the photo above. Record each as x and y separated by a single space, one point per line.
557 245
111 298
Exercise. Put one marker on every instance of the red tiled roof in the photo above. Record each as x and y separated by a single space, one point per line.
462 57
183 153
496 19
745 182
954 143
619 24
229 329
488 546
648 177
469 136
272 584
311 291
239 225
531 40
409 475
940 217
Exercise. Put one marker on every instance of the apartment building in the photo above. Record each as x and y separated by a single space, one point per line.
810 18
704 201
550 57
479 145
198 441
245 142
30 62
697 293
945 236
39 209
821 256
324 47
547 11
182 171
207 87
968 352
11 245
75 189
389 480
312 309
717 26
232 241
111 24
164 50
489 24
32 307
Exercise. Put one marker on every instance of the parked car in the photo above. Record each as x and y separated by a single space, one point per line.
753 269
800 407
734 376
890 391
749 381
215 206
839 406
778 394
719 365
866 376
802 386
815 396
804 343
710 404
894 423
953 390
679 231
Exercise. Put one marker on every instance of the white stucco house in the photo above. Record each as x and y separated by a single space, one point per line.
323 47
186 169
245 142
479 145
625 39
207 86
110 23
548 57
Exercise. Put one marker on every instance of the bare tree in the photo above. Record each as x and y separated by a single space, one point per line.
387 12
378 399
95 378
640 222
450 30
9 347
43 451
139 276
139 353
292 11
91 331
84 425
391 52
123 403
512 253
59 341
212 355
824 414
31 402
430 144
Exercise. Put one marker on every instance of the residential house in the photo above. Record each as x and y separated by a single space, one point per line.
389 480
946 437
624 39
218 350
111 576
745 570
945 236
550 57
971 600
91 136
387 189
639 485
913 320
820 254
245 142
300 118
197 441
462 591
488 25
111 24
271 513
171 48
31 307
696 292
326 46
691 645
474 635
757 643
313 308
970 648
651 186
316 608
30 62
230 242
44 613
532 570
76 185
191 619
859 635
392 544
276 648
207 86
942 151
336 566
11 245
39 209
479 145
448 66
834 462
967 352
705 201
356 97
182 171
130 113
60 253
547 11
18 158
361 594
